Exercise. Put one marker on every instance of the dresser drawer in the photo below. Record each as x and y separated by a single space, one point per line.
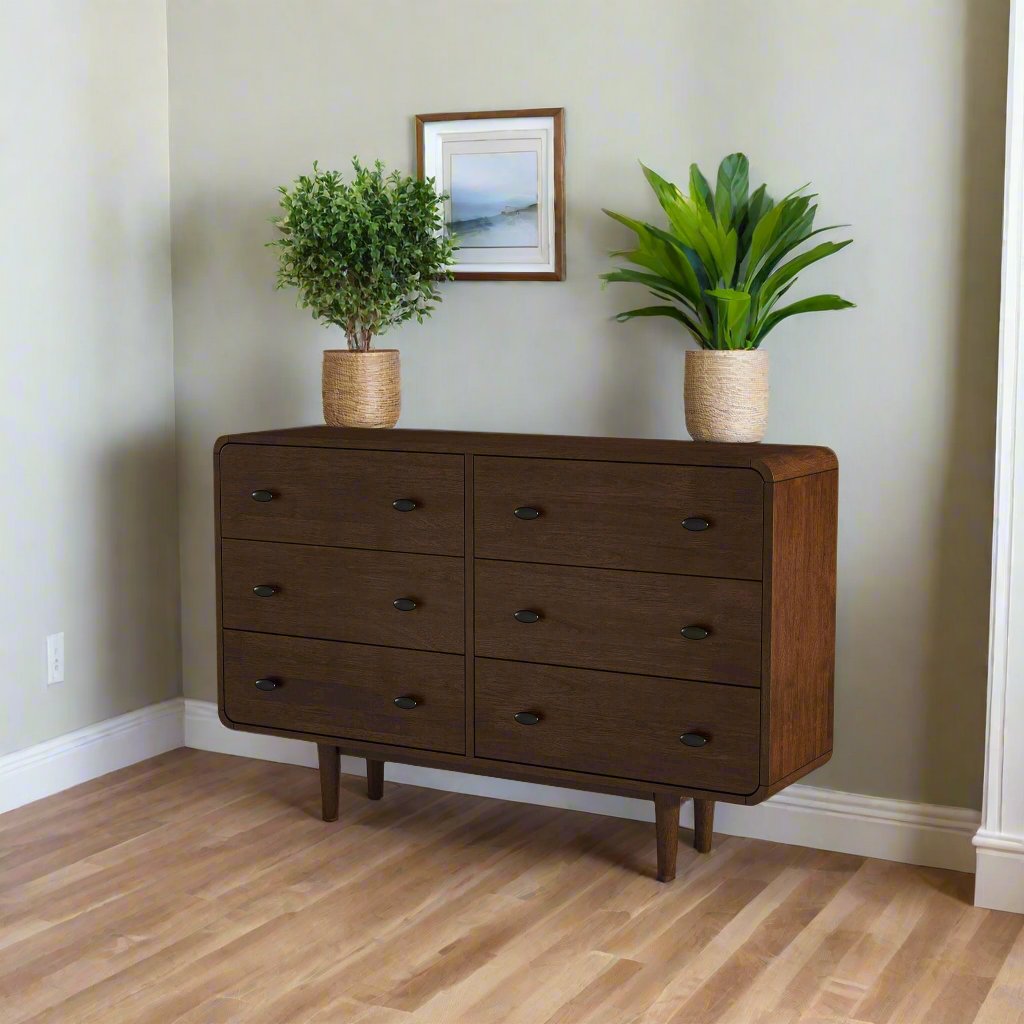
344 594
343 497
620 725
620 515
345 690
623 621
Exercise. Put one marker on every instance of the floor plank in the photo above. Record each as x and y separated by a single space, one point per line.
198 888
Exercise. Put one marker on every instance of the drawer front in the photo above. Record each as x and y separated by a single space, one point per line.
334 496
619 725
345 690
343 594
621 621
621 516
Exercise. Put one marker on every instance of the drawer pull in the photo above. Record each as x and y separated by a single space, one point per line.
262 495
693 739
525 615
403 504
266 684
526 718
525 512
404 604
695 632
264 590
695 524
406 703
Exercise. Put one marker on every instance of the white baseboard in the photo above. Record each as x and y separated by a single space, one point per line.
825 819
999 884
85 754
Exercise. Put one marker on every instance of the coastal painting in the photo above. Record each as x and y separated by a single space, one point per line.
494 199
500 176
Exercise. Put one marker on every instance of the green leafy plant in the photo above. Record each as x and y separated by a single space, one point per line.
365 255
722 264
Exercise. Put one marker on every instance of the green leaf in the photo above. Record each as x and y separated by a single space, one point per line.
734 310
788 271
669 311
700 190
731 188
814 304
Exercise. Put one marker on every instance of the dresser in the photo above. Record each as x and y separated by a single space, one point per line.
648 618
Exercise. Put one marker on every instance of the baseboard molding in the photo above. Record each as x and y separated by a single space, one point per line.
999 884
76 757
824 819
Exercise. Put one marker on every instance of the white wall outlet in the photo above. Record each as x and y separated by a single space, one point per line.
54 658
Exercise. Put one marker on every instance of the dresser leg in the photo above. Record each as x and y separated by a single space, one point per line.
703 824
330 768
666 824
374 779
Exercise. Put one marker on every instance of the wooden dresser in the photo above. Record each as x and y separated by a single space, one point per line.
649 618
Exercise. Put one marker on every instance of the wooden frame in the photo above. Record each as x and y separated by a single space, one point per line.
557 114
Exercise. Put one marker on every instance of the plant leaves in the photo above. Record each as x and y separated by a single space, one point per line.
731 189
814 304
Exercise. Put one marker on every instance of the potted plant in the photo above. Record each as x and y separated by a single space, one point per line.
722 265
365 256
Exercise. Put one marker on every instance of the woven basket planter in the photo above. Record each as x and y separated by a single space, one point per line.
726 395
362 389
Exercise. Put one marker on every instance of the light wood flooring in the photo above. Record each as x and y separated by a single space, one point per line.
197 888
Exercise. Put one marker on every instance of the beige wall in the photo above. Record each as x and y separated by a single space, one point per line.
892 108
88 516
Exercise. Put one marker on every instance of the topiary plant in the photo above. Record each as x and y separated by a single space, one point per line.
365 255
721 262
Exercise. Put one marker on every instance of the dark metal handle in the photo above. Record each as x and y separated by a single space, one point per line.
695 632
695 524
266 684
526 718
404 604
264 590
403 504
262 495
525 615
525 512
406 703
694 739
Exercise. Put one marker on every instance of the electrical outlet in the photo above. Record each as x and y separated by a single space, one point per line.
54 658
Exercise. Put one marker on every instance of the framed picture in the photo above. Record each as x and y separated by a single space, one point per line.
504 174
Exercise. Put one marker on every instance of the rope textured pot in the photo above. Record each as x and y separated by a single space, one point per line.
362 389
726 395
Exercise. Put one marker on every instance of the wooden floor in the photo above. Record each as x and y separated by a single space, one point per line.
201 889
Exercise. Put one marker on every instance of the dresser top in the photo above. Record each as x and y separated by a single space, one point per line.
772 461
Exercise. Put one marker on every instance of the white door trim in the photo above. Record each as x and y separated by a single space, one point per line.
1000 840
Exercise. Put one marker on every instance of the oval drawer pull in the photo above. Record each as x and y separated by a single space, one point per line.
406 703
526 718
264 590
404 604
403 504
525 615
694 739
266 684
262 495
695 632
525 512
695 524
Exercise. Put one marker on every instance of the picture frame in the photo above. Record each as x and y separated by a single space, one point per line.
504 173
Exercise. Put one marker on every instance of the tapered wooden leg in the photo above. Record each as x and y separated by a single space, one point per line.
374 779
330 768
666 824
703 824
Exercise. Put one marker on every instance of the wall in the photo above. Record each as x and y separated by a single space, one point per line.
88 517
894 110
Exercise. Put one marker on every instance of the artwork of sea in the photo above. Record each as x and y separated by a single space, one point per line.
494 200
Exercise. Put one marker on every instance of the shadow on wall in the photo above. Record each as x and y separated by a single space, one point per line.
959 599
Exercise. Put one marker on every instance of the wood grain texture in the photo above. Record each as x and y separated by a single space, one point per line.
703 824
343 498
666 833
620 621
345 690
202 888
801 622
329 758
374 779
619 725
620 516
344 594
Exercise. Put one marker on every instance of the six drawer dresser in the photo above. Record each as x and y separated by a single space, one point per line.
643 617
